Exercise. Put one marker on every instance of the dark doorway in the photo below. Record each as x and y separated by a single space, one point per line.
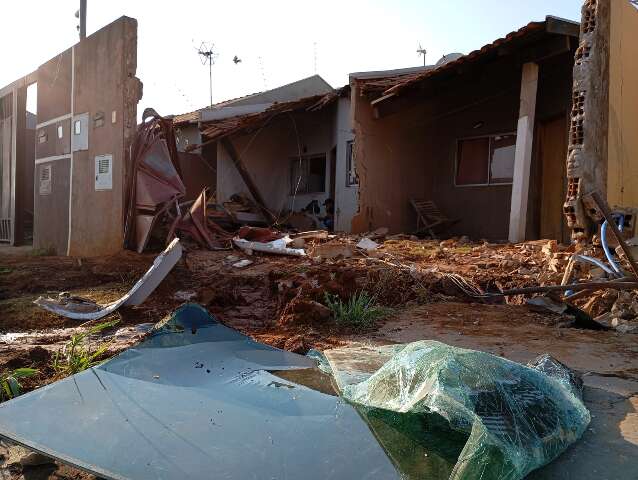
552 149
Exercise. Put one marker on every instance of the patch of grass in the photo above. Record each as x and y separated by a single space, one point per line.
359 312
10 384
462 249
43 252
79 353
4 270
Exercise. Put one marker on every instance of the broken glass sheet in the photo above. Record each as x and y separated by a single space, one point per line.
198 400
476 415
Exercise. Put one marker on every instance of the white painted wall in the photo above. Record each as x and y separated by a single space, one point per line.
346 197
187 134
267 154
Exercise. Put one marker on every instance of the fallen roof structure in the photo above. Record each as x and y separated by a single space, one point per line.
217 129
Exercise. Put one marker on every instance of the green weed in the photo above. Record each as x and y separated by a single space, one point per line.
79 353
10 383
359 312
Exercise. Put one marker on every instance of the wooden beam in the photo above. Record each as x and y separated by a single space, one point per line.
501 62
542 51
245 175
523 155
562 27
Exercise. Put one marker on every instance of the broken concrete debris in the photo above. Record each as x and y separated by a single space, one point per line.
243 263
367 244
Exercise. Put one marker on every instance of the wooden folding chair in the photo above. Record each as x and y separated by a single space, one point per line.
429 217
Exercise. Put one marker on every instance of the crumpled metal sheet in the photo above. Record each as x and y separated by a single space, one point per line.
198 400
82 309
197 225
154 183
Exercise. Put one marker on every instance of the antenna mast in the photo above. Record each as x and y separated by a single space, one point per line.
208 55
421 51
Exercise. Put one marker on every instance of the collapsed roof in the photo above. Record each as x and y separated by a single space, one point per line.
219 128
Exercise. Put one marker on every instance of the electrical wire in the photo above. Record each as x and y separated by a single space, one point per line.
603 241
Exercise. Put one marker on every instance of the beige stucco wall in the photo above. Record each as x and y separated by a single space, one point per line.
412 153
622 169
98 74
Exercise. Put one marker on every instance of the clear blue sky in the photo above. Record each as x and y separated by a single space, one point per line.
278 41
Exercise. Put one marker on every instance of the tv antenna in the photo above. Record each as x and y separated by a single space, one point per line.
421 51
207 53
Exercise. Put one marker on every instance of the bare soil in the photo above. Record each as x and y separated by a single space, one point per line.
272 301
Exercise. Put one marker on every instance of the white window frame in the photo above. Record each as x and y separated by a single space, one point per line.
308 157
489 160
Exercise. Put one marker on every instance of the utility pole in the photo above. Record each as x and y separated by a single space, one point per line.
83 19
208 55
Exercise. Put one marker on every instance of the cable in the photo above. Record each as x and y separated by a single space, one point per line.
596 262
603 241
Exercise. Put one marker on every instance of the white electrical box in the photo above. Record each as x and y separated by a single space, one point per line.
104 172
80 132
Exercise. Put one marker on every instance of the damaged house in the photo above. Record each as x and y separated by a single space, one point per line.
454 133
484 136
283 148
199 165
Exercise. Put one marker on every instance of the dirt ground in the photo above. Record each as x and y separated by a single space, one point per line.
276 301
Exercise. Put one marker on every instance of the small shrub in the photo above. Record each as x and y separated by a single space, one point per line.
79 353
11 386
359 312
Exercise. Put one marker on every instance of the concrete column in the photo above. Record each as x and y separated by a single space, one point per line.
19 168
18 125
523 156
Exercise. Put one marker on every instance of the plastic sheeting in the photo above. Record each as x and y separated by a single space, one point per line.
479 416
198 400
